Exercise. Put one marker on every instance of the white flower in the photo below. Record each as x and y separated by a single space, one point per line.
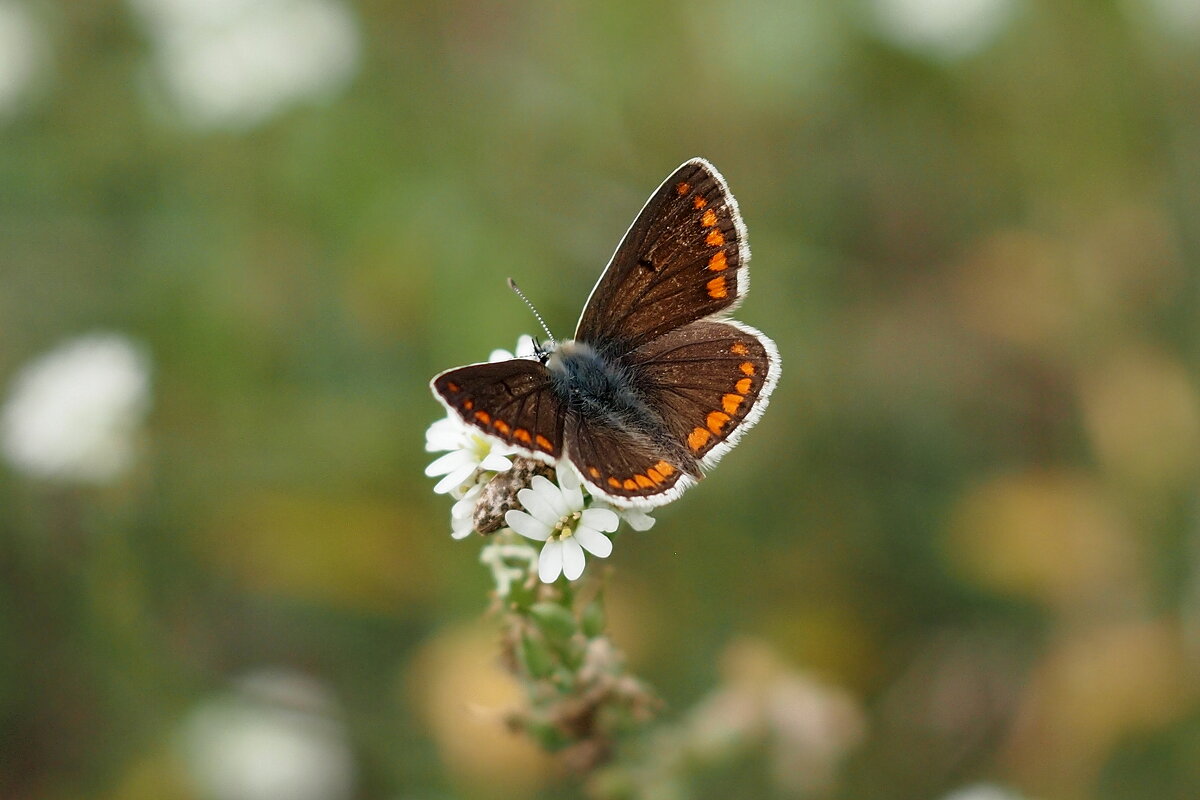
947 29
555 515
74 413
525 349
983 791
278 734
469 453
236 63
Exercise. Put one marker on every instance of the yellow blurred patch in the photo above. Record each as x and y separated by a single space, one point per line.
1046 535
827 638
153 776
1094 688
1141 410
456 684
362 555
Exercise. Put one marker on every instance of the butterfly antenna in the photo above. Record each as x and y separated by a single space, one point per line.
513 285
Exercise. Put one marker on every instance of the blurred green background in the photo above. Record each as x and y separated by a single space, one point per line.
970 512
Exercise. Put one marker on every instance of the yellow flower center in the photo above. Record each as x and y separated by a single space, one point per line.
565 527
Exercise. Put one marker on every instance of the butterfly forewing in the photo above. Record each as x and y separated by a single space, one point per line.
682 260
710 381
510 400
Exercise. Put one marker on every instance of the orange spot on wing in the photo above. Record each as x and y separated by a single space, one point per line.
655 475
699 202
522 435
698 438
683 187
468 404
665 469
452 386
738 348
747 368
716 288
714 239
544 443
716 420
743 385
595 473
629 485
718 262
501 426
613 482
483 417
644 482
708 218
730 403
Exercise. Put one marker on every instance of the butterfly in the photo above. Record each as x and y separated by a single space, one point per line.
658 383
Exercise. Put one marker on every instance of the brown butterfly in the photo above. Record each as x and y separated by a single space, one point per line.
657 384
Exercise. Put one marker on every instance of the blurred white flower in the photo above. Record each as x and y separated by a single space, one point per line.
983 791
236 63
21 53
470 452
276 735
807 727
525 349
1176 19
943 28
74 413
557 517
509 563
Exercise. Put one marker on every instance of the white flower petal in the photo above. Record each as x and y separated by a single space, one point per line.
638 520
443 465
454 479
461 528
445 434
551 493
568 482
550 562
495 462
602 519
464 508
526 525
525 348
538 506
572 558
568 478
499 354
593 541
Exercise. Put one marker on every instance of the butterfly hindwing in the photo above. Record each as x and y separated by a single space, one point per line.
710 381
683 259
619 465
511 400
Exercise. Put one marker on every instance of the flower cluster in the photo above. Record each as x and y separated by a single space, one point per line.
559 513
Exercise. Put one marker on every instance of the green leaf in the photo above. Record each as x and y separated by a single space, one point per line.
536 656
593 618
556 622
